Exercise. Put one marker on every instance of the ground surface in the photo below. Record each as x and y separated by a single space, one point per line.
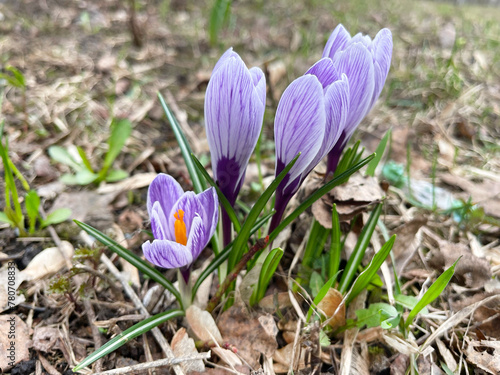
83 69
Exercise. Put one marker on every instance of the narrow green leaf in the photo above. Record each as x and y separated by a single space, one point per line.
32 205
116 175
266 273
315 243
120 131
18 76
335 245
369 272
56 217
129 334
244 234
198 184
432 293
320 296
224 254
379 152
222 198
133 259
409 302
218 15
85 160
359 250
317 195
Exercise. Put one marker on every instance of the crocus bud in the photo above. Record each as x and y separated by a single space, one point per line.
182 223
234 110
366 63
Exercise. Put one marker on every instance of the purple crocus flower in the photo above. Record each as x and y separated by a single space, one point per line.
310 118
366 63
234 110
182 223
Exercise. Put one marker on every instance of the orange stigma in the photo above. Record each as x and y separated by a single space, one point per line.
180 228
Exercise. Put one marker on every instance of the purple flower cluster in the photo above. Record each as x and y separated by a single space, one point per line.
316 116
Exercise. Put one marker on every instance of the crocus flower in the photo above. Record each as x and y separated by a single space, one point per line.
234 111
310 118
182 223
366 63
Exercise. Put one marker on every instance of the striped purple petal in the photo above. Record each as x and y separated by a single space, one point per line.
299 125
165 190
210 203
382 53
167 254
338 40
324 71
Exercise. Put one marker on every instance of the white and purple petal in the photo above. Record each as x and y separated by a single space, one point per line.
192 207
198 237
167 254
324 71
209 201
338 40
159 223
356 63
382 55
299 125
165 190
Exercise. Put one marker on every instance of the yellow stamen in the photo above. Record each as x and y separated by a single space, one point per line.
180 228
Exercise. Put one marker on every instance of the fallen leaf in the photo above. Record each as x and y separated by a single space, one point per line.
351 198
14 341
48 262
286 355
203 324
488 314
487 360
329 304
246 333
7 289
183 345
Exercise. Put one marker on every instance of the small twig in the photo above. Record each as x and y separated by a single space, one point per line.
138 303
96 335
158 363
259 245
46 365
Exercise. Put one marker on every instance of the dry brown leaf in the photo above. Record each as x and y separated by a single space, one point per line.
5 288
136 181
329 304
247 334
14 341
487 313
227 356
487 360
183 345
48 262
203 324
287 355
351 198
272 302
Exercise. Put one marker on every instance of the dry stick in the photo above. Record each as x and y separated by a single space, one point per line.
96 335
259 245
137 302
161 362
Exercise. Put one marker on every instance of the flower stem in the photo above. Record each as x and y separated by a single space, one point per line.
259 245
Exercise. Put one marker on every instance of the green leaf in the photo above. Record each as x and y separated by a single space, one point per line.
16 79
266 273
56 217
5 219
315 283
32 205
85 161
244 234
218 15
359 250
379 152
120 131
84 177
321 294
129 334
61 155
335 245
432 293
198 184
317 195
366 277
224 254
116 175
409 302
133 259
222 198
378 315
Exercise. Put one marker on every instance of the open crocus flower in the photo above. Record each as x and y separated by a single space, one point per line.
182 223
366 63
310 118
234 110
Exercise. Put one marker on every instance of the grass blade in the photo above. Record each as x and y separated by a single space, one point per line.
186 152
222 198
366 276
133 259
266 273
370 170
359 250
129 334
335 245
244 233
432 293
